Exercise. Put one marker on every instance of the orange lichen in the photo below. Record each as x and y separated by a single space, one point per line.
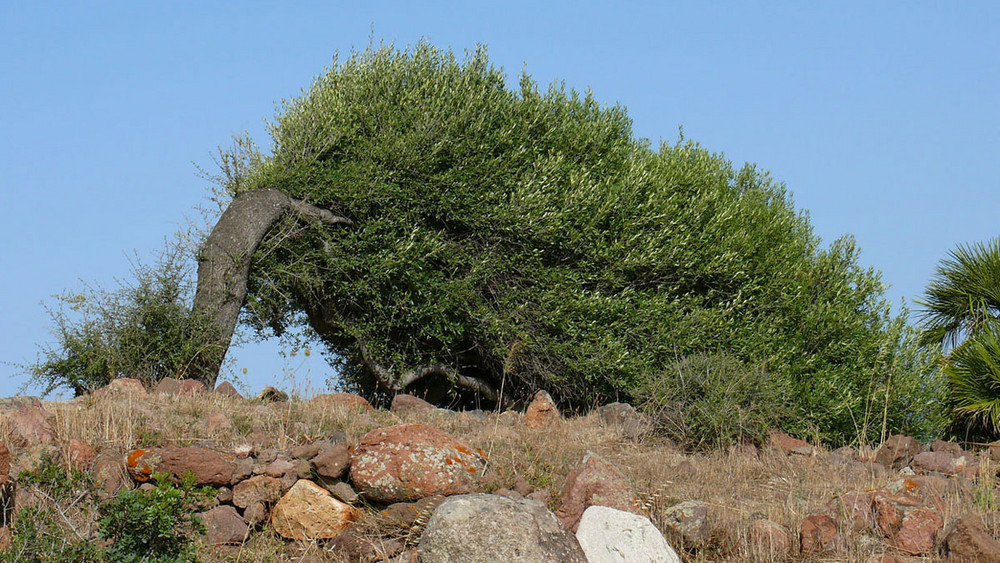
143 473
448 461
472 470
463 449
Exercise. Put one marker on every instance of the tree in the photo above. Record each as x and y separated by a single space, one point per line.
439 230
961 312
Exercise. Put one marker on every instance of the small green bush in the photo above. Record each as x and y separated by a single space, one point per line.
59 482
144 330
704 400
38 536
154 525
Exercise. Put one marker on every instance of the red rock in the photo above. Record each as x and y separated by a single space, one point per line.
190 388
223 525
918 533
308 512
413 461
404 404
4 463
346 401
333 461
218 421
541 412
938 462
897 451
768 539
166 386
80 454
889 510
853 510
32 423
226 388
818 534
109 473
255 514
260 488
279 467
968 542
122 387
788 445
207 466
594 482
950 447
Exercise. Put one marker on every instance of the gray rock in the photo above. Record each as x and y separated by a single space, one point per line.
223 525
608 535
486 528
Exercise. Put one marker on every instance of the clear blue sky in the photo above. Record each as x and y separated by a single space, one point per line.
882 118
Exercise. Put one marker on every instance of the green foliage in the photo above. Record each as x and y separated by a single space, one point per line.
39 537
961 310
708 401
144 329
58 481
154 525
525 235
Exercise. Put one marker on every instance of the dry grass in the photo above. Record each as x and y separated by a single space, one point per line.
740 485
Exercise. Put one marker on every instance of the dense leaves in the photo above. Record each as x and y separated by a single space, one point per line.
525 236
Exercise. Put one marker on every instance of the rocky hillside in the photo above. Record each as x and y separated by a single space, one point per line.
334 479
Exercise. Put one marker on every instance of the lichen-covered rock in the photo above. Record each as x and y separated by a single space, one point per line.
607 535
309 512
487 528
541 412
594 482
207 466
411 461
690 520
346 401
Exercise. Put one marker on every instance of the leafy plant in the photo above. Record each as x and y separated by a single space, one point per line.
154 525
144 329
37 536
962 313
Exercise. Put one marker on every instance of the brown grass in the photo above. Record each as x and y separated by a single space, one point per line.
740 484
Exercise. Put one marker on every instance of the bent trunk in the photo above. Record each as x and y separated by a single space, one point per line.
224 267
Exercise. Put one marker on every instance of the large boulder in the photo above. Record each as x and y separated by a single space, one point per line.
594 482
404 404
486 528
607 535
541 412
411 461
207 466
309 512
346 401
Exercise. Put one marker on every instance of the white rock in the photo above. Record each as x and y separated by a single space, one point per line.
615 536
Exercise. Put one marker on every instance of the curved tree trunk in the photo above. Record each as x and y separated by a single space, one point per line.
224 267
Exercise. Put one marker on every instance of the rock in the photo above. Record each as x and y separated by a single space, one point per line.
109 474
223 525
768 540
342 491
216 420
968 542
32 424
226 388
4 463
279 467
995 450
242 471
80 454
897 452
690 520
818 534
411 461
255 514
308 512
938 462
594 482
355 544
510 418
271 395
951 448
407 514
918 533
853 510
624 417
125 387
541 412
207 466
346 401
788 445
167 386
191 387
260 488
889 508
487 528
332 461
607 535
404 404
224 495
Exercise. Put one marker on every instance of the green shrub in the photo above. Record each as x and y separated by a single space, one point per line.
58 481
144 330
526 236
38 536
154 525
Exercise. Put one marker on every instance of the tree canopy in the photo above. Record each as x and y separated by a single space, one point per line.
524 237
